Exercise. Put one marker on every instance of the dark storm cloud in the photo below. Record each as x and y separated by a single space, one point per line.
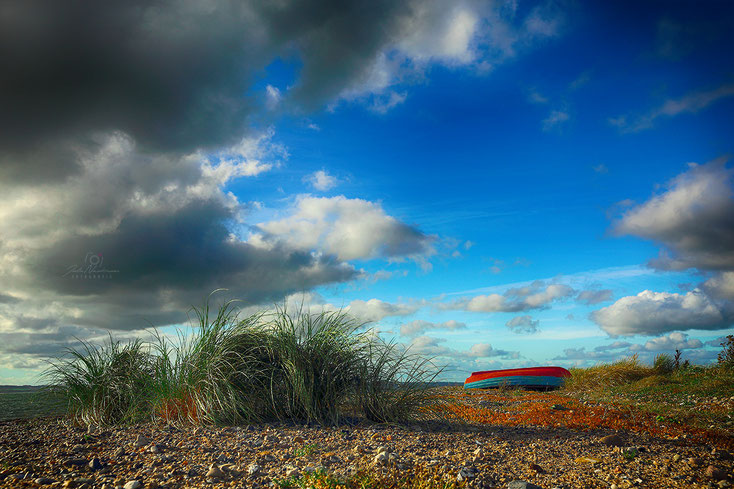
182 253
173 75
122 121
8 299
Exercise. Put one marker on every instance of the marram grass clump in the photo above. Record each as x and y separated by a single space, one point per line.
278 365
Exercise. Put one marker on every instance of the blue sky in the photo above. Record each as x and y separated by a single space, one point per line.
495 184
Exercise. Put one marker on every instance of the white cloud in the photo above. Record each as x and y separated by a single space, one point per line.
420 326
383 103
720 286
523 325
375 310
693 217
251 156
555 118
273 96
485 350
346 228
653 313
534 296
320 180
671 342
690 103
427 345
440 35
457 34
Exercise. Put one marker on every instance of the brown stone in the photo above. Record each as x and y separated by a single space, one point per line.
612 440
715 473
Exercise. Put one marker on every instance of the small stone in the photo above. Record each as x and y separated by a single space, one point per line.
466 473
155 448
140 442
612 440
381 458
695 461
42 481
614 486
536 468
215 472
522 485
95 464
559 407
253 469
134 484
715 473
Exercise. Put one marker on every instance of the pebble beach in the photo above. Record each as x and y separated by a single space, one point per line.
53 452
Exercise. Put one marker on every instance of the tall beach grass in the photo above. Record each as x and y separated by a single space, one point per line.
276 365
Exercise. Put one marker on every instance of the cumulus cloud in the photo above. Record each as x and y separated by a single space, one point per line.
478 35
320 180
346 228
420 326
673 341
485 350
428 345
720 286
690 103
375 310
653 313
523 325
534 296
693 218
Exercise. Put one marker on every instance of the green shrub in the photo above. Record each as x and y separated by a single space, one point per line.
277 365
664 363
103 385
726 356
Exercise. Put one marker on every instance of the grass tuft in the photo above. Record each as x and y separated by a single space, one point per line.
278 365
103 385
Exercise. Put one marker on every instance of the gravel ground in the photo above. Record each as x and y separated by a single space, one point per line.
50 452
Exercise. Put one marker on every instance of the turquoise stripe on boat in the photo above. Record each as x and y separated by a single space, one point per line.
513 380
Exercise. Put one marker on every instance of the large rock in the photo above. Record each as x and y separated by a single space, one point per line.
612 440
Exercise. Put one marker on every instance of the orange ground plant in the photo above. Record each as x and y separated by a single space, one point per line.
560 411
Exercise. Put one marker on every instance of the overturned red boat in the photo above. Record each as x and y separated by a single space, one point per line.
529 377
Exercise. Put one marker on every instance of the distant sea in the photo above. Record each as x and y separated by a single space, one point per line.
27 401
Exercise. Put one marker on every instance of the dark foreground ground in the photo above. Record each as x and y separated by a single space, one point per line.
508 440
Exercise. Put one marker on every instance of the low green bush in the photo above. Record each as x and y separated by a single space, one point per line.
271 365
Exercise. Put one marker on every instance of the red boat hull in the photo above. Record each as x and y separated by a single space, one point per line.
531 377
